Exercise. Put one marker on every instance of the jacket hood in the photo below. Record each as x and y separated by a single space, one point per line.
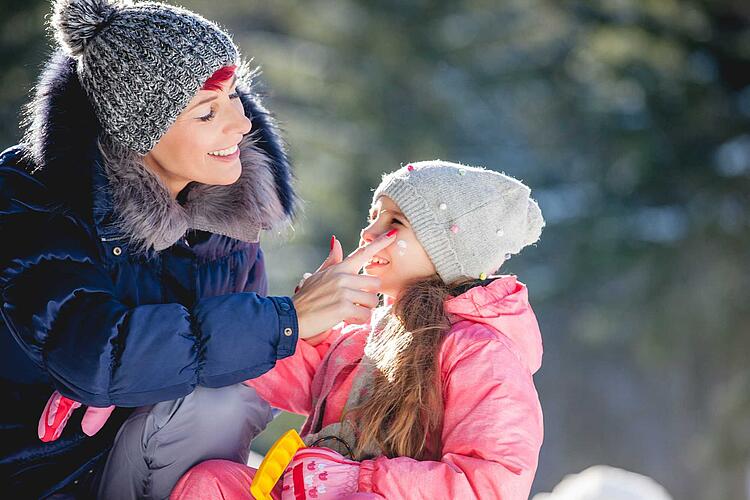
504 305
127 201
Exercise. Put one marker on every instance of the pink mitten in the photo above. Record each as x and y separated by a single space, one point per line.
319 474
95 418
58 410
56 413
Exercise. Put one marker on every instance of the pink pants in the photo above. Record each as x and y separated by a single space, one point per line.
219 479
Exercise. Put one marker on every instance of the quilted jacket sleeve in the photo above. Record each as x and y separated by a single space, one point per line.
61 306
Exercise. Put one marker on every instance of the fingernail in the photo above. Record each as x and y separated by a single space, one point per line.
333 239
391 233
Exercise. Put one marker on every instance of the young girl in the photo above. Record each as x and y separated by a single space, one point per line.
434 397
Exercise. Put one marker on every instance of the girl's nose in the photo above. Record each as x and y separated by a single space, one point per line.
367 235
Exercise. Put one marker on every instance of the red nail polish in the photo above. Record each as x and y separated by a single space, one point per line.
333 240
391 233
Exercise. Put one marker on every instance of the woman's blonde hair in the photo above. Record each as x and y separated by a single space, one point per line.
405 404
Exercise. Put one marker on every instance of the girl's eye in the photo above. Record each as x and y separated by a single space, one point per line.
234 95
396 221
208 117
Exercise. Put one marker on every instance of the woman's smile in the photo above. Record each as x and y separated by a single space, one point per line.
228 154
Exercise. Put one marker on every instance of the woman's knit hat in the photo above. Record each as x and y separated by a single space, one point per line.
140 63
469 220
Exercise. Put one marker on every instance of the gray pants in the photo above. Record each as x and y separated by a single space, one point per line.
159 443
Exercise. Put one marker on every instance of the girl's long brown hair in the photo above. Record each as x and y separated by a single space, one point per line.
405 403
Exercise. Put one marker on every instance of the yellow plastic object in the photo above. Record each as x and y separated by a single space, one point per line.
274 464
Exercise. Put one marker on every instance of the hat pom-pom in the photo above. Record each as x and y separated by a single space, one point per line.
76 22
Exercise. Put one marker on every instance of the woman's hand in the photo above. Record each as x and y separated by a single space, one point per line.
336 292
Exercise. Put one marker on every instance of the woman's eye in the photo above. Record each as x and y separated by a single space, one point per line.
234 95
207 117
396 221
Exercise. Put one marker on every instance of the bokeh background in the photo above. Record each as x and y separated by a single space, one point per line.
629 119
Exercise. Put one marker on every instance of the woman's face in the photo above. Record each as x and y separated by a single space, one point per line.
201 145
402 262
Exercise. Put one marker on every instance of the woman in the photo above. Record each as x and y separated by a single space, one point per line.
130 267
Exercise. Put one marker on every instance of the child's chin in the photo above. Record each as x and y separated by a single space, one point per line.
380 272
375 270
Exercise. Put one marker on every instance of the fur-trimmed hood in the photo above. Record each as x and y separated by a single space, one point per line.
126 200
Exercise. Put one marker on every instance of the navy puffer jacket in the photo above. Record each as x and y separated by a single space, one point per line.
88 312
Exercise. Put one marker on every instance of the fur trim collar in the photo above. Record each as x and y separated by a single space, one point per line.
146 214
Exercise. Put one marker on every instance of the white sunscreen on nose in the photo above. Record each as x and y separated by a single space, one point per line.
401 244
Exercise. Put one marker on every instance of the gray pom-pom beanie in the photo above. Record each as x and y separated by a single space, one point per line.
140 63
468 219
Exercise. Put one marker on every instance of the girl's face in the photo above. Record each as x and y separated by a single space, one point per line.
399 263
201 145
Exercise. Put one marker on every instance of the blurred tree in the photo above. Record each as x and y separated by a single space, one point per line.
630 120
22 44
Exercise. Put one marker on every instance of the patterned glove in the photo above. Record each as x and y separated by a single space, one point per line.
319 474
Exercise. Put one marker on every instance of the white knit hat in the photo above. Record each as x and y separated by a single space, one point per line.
468 219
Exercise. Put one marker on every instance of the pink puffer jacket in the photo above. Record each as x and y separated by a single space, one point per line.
492 426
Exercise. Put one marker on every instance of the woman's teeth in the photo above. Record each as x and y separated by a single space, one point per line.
225 152
378 260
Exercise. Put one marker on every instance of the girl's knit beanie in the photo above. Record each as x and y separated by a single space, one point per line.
468 219
140 63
